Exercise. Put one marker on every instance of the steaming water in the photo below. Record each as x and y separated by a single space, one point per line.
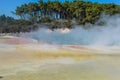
96 35
36 62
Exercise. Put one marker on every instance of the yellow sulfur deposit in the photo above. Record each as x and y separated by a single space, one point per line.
37 61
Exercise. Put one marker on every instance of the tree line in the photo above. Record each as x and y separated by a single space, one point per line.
78 10
56 14
11 25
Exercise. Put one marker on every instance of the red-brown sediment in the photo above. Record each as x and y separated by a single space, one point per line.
16 41
78 47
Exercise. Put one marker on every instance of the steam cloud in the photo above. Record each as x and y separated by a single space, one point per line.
108 35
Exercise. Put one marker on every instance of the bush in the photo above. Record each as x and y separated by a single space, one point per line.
45 20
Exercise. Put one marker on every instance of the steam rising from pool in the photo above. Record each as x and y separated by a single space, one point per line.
107 35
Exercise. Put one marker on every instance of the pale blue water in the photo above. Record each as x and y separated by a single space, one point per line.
79 36
75 36
107 34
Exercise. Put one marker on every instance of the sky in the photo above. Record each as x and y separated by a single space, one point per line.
7 6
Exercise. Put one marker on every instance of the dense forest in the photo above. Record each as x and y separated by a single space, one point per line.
55 14
81 11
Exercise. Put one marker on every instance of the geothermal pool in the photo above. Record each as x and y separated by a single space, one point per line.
29 59
77 54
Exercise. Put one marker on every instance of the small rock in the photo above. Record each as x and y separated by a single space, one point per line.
1 77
